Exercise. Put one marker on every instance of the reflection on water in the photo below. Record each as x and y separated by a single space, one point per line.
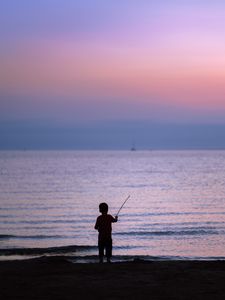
177 204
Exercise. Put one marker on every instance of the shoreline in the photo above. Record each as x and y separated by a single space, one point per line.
57 278
88 254
94 259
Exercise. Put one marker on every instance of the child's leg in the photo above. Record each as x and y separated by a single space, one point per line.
109 250
100 251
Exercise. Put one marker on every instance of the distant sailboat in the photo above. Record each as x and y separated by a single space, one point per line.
133 148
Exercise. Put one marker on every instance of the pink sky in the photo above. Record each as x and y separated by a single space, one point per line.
95 60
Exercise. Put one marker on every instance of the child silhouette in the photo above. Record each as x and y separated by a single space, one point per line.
104 226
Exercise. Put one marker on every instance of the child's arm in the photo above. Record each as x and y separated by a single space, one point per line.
96 224
114 220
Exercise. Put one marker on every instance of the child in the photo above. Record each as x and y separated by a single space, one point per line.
104 226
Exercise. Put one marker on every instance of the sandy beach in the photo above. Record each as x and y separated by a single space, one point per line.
56 278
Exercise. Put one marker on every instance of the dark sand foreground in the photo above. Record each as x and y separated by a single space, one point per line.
56 278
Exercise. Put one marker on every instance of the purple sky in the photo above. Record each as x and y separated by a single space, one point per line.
100 74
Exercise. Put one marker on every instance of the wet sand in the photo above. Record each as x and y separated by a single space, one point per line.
56 278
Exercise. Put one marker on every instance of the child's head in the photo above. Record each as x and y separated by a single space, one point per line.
103 208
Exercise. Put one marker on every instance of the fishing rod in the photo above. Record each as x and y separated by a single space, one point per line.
122 205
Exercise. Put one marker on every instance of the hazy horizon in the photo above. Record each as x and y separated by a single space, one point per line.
113 137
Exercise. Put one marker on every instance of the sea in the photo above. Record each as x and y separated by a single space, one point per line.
49 204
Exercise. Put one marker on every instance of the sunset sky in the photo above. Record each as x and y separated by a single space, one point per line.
102 74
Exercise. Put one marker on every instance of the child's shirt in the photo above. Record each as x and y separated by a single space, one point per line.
104 226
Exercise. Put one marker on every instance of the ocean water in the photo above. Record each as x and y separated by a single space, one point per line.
49 203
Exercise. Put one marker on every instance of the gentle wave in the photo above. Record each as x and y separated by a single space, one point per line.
169 232
46 222
189 213
42 251
35 237
6 236
195 232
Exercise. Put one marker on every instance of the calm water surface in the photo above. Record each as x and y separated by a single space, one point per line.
50 199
